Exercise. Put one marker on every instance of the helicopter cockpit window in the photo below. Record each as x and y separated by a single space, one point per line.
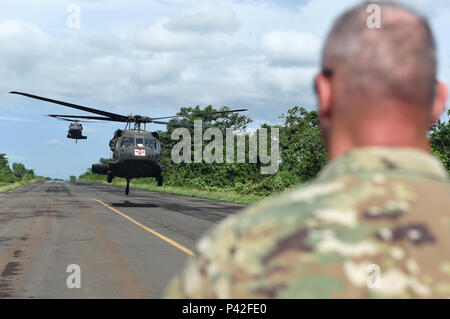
139 142
127 141
149 142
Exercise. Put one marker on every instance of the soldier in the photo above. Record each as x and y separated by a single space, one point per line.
113 141
375 222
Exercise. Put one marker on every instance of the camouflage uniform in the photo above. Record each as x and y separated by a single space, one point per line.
112 143
373 207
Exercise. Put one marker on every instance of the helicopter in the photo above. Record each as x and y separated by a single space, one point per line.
75 130
136 151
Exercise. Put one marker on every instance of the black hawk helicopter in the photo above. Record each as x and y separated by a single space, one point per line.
136 152
75 130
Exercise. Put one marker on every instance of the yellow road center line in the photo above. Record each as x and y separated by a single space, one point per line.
170 241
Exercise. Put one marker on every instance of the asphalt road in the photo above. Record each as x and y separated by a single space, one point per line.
125 246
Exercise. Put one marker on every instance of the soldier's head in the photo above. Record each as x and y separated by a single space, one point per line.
378 81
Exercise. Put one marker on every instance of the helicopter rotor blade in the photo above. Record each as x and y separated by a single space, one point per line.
77 121
113 117
75 106
180 124
85 117
207 113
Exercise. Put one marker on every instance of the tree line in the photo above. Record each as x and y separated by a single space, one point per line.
302 153
16 173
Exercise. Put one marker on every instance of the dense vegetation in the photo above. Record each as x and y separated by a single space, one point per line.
440 141
300 142
302 155
15 176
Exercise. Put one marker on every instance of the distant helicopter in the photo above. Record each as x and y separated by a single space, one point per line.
75 130
136 152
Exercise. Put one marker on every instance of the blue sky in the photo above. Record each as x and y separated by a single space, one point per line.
153 57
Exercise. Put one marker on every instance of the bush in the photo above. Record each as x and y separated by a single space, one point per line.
7 175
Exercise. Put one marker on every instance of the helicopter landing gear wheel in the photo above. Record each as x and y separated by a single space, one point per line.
127 189
110 176
160 180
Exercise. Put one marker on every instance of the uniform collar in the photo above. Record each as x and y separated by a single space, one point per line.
387 160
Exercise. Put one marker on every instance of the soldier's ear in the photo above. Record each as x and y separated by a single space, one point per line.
322 85
439 101
323 91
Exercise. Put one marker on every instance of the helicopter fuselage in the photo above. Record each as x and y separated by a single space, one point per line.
75 131
132 168
136 154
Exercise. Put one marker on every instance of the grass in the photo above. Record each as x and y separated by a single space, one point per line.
221 195
15 185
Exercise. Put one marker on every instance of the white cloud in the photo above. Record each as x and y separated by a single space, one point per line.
205 18
253 54
287 80
287 48
23 46
157 38
158 66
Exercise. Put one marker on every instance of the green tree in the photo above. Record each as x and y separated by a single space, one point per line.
3 161
19 170
302 151
440 141
30 172
73 179
224 120
204 175
6 174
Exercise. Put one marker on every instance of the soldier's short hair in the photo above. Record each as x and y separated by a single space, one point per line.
396 61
